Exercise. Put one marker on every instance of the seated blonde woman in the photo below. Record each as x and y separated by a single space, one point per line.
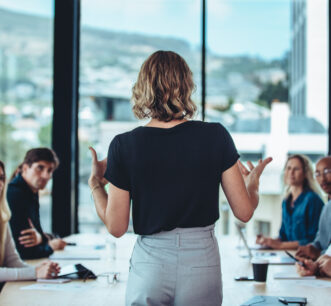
11 266
301 207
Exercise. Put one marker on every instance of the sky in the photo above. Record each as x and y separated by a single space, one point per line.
234 27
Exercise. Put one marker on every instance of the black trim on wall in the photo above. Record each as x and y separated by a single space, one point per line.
329 9
65 116
203 61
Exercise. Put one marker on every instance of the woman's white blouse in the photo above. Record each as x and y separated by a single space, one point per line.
13 267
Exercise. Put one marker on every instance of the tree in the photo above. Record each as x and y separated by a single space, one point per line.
273 91
45 135
11 151
224 108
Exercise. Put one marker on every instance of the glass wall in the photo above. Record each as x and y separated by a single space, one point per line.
258 53
116 37
267 82
26 59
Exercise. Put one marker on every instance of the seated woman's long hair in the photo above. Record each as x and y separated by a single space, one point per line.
4 216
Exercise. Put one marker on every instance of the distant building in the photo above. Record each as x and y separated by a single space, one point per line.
309 58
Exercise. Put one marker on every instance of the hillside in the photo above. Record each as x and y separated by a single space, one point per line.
110 60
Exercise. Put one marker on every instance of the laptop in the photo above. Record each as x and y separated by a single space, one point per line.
273 257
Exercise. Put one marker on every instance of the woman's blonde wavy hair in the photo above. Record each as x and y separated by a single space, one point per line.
309 181
4 217
163 89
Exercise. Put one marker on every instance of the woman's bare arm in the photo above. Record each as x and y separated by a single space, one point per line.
112 208
241 188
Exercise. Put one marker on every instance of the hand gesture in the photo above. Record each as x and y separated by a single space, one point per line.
308 251
260 239
98 169
252 176
57 244
268 242
30 237
47 269
324 264
310 268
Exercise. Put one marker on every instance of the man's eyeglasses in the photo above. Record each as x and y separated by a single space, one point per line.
324 172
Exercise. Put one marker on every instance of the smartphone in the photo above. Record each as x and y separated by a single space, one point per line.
243 278
296 300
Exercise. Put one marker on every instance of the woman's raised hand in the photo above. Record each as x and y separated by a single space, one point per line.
252 176
97 170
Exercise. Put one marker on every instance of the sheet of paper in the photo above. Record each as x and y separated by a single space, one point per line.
314 283
53 280
73 286
292 275
317 283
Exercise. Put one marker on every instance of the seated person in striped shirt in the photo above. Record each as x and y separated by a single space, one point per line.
323 238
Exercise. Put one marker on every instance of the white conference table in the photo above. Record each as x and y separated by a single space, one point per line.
99 292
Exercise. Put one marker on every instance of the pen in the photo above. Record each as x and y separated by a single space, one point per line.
297 260
71 243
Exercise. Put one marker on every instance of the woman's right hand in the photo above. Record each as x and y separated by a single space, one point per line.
98 169
47 269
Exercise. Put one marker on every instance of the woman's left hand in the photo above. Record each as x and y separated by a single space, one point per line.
252 176
98 170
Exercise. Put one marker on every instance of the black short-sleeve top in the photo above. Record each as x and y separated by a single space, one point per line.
172 174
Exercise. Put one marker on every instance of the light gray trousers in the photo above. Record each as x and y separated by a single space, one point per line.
180 267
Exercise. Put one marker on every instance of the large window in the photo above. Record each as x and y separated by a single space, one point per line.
116 37
266 80
26 59
257 53
267 83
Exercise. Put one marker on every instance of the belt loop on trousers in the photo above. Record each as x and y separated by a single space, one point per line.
212 233
177 240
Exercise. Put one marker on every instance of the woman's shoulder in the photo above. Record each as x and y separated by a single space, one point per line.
211 128
190 124
192 127
313 196
208 125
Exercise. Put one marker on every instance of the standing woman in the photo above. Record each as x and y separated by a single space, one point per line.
301 208
11 266
171 169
